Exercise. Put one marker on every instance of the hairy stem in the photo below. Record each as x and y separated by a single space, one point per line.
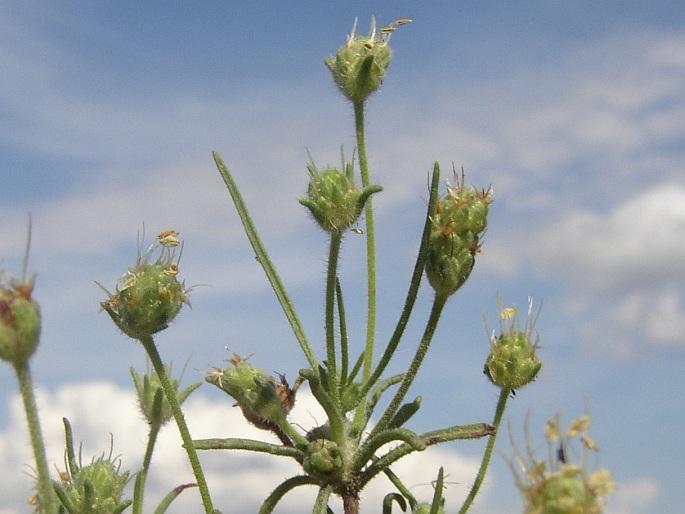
413 287
344 347
333 255
501 404
139 487
47 495
431 325
370 242
149 345
265 261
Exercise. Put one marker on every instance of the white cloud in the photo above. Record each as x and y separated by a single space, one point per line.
634 497
639 244
620 268
238 481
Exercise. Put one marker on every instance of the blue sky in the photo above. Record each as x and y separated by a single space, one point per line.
573 111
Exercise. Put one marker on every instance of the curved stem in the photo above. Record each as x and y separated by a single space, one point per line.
47 494
278 493
366 452
458 432
403 489
336 418
501 404
370 242
149 345
431 325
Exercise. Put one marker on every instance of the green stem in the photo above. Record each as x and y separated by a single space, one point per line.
149 345
47 494
431 325
333 255
265 261
501 404
403 489
413 287
139 488
336 417
321 502
344 347
249 445
272 500
458 432
370 242
366 452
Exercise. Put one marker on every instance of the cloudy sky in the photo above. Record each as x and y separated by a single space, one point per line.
573 111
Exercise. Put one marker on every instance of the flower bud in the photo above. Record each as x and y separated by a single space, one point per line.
512 362
256 393
558 486
96 487
459 220
149 295
149 387
323 459
360 64
333 199
19 319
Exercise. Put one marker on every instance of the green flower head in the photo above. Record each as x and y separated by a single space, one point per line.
149 295
333 198
459 220
512 362
559 486
359 66
263 401
19 319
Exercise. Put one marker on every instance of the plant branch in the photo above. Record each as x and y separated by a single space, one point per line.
438 305
265 261
457 432
370 242
333 376
45 489
278 493
413 287
139 486
344 347
170 393
501 404
252 445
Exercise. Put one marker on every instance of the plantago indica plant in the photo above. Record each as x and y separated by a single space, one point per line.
367 426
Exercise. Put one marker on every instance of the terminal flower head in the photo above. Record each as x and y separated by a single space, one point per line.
19 319
19 314
559 486
149 295
333 198
265 402
94 487
359 66
512 362
459 220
